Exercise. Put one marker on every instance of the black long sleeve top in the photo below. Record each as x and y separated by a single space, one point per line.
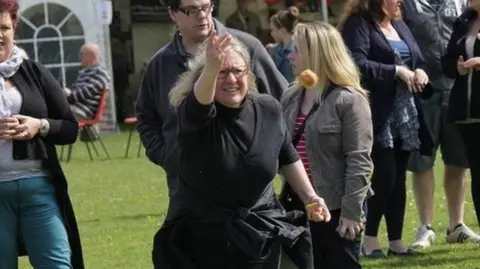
232 153
228 160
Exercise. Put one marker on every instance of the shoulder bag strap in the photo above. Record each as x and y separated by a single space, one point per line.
300 131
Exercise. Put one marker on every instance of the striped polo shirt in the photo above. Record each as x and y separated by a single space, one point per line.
88 88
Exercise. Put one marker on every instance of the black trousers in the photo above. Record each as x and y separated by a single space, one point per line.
330 251
389 184
470 134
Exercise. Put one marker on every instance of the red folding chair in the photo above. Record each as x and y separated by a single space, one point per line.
88 125
132 123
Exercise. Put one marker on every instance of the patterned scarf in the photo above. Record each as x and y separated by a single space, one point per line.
7 70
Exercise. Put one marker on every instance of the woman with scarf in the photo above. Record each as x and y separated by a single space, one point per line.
36 215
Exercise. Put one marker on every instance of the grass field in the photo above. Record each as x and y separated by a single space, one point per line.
121 203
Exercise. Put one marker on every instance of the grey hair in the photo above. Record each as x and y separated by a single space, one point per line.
186 82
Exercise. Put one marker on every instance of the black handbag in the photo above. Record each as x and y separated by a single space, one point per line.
289 199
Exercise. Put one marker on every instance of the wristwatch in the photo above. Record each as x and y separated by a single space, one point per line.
43 127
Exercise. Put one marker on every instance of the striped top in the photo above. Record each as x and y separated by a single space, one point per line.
88 88
301 146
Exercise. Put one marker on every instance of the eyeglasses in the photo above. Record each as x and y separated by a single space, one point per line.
195 11
237 72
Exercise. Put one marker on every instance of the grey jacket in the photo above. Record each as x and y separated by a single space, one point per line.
432 29
157 122
339 139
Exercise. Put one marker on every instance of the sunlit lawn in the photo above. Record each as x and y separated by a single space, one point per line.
121 203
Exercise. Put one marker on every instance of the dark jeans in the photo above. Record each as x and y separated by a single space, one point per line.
330 250
389 185
471 133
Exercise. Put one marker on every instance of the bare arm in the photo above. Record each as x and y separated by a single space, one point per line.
297 177
204 88
291 167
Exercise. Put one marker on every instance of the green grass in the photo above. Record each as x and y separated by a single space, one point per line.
121 203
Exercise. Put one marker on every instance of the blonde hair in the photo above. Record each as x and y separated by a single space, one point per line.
323 51
187 80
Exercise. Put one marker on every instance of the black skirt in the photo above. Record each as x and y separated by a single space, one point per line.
210 237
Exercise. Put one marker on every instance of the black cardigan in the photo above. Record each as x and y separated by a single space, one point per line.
376 61
43 98
460 99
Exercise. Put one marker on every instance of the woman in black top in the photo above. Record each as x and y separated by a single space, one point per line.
462 62
232 143
36 215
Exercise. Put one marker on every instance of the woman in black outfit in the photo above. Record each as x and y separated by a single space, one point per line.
232 143
391 65
36 215
462 62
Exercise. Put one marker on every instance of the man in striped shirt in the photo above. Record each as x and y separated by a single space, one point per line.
85 95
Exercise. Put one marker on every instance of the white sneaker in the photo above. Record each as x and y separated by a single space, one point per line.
425 237
462 234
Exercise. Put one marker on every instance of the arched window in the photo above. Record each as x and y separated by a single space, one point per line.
52 35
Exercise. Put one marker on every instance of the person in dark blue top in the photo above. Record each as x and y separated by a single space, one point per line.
392 70
232 142
282 25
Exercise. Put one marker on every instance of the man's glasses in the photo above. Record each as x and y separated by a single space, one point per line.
236 72
195 11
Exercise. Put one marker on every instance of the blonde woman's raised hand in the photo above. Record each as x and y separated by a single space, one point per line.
217 47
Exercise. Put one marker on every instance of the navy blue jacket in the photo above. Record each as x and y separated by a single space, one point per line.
376 61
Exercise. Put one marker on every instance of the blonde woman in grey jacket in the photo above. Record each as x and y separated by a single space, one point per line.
336 140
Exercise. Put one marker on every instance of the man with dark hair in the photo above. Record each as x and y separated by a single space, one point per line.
431 23
156 120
